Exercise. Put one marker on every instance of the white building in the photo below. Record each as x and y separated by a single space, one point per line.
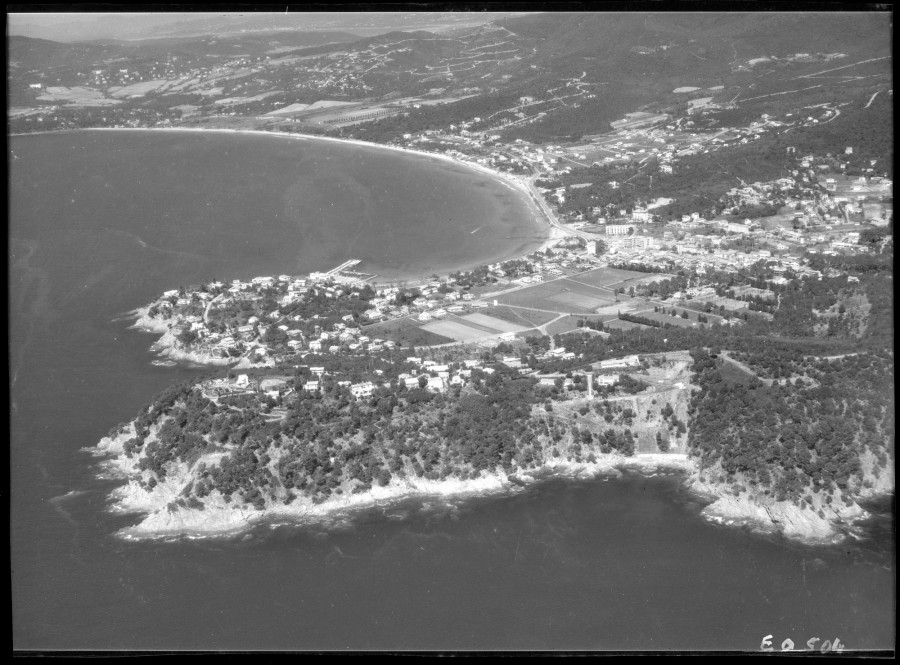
734 227
362 389
618 229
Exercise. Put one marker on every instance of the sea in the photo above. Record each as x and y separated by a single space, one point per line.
100 222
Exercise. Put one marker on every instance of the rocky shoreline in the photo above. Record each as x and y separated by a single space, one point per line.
167 346
818 523
219 517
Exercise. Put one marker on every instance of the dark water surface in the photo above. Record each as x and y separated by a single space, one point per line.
102 221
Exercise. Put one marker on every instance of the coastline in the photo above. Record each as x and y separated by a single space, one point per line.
219 518
166 346
545 226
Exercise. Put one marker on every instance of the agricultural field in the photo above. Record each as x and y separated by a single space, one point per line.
561 296
405 332
472 327
524 317
625 304
76 96
455 331
491 322
612 277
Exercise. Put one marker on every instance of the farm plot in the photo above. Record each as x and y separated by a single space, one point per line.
610 276
559 296
406 332
490 322
630 305
76 96
456 331
525 317
487 330
579 301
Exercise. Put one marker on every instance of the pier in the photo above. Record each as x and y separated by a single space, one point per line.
346 265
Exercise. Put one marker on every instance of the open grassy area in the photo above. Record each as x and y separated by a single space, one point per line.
457 330
667 318
406 332
522 317
561 296
618 324
609 276
564 325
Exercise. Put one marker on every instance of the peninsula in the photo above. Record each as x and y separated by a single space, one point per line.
781 423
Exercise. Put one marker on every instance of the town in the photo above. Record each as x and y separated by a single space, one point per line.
597 269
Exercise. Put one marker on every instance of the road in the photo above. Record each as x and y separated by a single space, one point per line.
871 99
548 213
745 368
208 306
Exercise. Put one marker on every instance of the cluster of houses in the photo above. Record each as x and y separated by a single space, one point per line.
191 311
421 374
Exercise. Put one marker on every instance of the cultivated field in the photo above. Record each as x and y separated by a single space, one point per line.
471 327
499 324
77 96
561 296
524 317
138 89
612 276
625 304
405 332
455 330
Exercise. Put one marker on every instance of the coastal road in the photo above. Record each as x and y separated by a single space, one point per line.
548 213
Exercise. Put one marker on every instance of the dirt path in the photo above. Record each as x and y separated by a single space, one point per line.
745 368
208 306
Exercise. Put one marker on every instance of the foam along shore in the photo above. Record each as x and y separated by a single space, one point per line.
763 513
163 518
219 517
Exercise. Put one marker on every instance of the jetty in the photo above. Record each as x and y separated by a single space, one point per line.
346 265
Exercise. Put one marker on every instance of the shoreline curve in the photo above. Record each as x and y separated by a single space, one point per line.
539 216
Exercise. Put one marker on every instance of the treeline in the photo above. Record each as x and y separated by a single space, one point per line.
643 320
